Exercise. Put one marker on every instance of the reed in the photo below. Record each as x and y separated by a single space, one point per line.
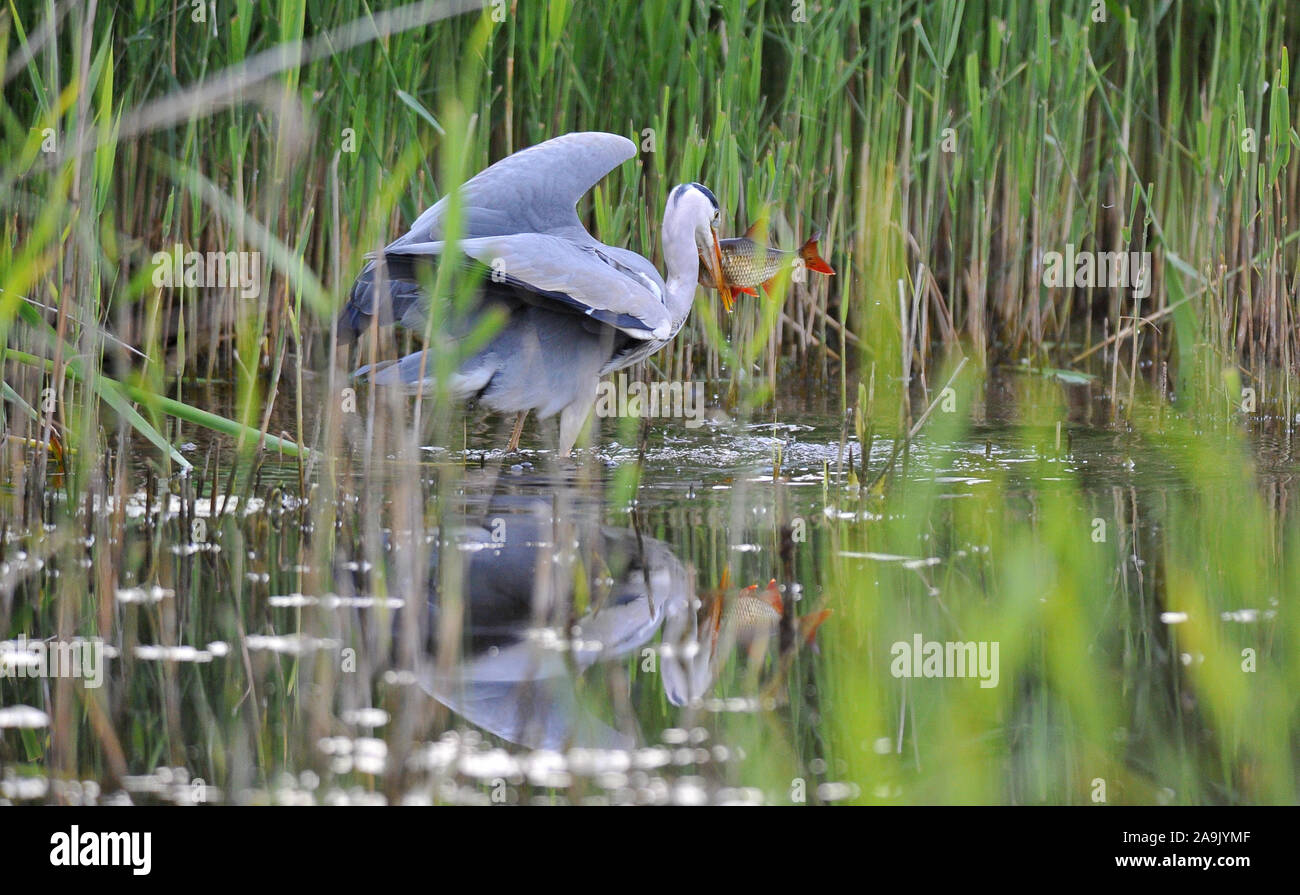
943 149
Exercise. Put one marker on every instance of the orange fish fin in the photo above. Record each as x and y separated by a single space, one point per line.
727 292
748 290
811 622
772 597
714 624
812 259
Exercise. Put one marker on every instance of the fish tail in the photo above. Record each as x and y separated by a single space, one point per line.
812 259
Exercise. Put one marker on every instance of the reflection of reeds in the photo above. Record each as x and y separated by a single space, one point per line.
1063 131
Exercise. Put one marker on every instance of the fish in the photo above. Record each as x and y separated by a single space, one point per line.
751 617
747 263
754 614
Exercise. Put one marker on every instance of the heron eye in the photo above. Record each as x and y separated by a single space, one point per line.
717 216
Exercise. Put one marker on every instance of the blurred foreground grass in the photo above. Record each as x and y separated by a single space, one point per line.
942 148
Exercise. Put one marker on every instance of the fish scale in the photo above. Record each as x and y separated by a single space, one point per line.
752 615
751 264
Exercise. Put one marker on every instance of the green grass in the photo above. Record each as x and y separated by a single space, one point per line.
940 147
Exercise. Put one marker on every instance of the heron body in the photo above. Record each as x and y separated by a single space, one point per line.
525 641
574 308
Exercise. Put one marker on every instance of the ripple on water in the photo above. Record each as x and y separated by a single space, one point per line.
334 601
157 652
24 717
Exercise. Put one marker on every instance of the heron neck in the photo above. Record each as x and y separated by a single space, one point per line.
683 265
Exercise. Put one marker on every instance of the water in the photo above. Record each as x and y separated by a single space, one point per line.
604 651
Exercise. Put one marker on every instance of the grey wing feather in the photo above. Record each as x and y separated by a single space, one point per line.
530 197
535 190
589 278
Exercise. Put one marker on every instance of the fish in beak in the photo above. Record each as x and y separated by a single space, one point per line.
747 262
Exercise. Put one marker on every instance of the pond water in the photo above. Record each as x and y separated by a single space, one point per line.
489 628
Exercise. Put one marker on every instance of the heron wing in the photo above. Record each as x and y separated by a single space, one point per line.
586 277
534 190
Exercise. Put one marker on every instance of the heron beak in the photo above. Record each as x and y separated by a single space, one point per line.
714 262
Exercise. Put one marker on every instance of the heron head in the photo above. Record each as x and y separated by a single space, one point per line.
692 208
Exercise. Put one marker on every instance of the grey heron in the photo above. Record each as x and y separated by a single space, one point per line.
575 309
524 640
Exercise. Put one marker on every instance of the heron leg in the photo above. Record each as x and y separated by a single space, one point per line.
574 416
519 430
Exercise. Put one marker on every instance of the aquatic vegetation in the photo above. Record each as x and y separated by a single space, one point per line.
1037 429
